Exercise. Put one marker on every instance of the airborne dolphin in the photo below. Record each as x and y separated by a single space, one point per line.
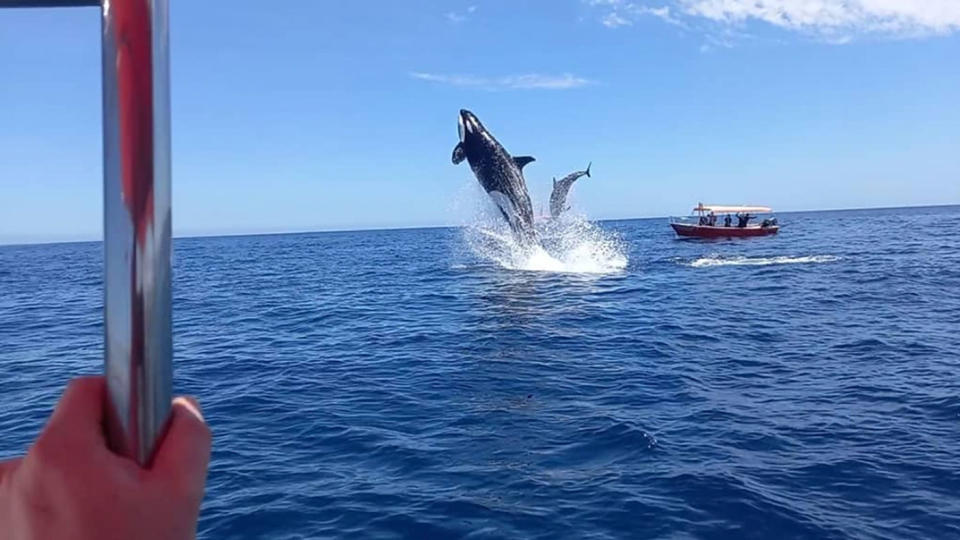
558 198
500 174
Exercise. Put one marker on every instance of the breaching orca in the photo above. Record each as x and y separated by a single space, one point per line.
500 174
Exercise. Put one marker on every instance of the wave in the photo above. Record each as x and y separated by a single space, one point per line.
760 261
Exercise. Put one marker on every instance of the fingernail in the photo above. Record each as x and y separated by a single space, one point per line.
191 405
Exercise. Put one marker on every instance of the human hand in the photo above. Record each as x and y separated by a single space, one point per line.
71 486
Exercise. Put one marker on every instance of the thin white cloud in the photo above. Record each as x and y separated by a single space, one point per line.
614 19
722 40
834 21
460 16
623 12
663 13
530 81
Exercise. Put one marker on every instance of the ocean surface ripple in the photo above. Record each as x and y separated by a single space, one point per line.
392 384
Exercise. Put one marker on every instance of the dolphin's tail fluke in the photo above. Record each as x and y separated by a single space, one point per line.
588 169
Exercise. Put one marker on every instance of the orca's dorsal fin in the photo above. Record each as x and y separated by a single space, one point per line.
522 161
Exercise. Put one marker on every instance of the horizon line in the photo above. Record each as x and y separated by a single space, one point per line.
423 227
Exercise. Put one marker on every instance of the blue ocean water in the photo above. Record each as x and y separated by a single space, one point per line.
395 384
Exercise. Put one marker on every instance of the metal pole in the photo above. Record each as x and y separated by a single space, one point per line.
48 3
136 203
136 208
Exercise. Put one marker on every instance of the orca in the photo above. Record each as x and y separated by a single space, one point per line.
500 174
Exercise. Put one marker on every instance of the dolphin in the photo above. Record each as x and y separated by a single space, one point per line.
500 174
558 198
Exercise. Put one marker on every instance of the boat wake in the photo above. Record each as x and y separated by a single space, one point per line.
760 261
569 245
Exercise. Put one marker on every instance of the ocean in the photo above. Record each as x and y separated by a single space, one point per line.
420 384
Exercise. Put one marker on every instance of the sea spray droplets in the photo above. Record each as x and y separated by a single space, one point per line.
570 245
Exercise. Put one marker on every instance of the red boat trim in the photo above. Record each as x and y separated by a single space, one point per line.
706 231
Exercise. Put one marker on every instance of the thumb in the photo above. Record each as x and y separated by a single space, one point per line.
184 452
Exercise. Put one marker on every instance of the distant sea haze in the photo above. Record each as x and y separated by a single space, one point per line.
403 384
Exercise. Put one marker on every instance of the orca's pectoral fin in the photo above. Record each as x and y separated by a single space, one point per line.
523 161
458 154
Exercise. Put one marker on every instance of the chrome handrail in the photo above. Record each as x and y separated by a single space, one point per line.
137 229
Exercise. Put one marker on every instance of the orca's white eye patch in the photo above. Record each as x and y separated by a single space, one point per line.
460 128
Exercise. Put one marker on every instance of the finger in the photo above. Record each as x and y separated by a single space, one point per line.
184 452
80 410
7 467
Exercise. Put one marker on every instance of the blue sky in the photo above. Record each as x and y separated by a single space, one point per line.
309 115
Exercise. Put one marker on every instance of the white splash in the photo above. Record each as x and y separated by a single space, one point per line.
570 245
761 261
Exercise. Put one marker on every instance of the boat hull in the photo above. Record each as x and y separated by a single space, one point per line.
706 231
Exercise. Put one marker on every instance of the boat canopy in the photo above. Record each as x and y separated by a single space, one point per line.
721 209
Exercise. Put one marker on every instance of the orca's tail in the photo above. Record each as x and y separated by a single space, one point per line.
588 169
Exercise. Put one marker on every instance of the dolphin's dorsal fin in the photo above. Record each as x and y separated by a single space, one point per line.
522 161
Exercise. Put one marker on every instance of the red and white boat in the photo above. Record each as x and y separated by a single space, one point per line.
722 221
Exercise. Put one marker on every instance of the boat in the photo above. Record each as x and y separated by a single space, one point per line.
698 225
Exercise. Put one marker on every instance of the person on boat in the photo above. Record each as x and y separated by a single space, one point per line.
727 220
71 486
743 219
712 221
703 219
